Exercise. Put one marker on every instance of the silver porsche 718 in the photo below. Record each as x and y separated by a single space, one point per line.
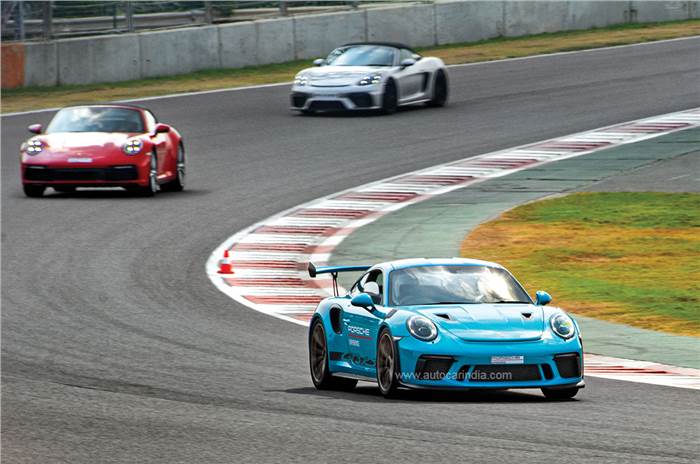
370 76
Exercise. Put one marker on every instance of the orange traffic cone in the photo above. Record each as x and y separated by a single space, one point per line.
225 264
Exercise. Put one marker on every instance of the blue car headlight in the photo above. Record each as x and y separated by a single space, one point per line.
562 325
422 328
371 79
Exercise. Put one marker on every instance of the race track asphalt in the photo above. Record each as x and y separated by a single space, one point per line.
116 347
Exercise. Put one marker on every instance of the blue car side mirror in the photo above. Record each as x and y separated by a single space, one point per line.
363 300
542 298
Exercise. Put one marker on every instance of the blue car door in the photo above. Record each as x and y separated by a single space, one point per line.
362 326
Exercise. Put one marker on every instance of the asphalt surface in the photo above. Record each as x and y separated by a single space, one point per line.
117 348
681 174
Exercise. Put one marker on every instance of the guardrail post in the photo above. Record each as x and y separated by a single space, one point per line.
284 11
129 15
47 19
208 13
19 22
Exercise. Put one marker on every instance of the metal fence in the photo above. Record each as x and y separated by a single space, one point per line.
26 20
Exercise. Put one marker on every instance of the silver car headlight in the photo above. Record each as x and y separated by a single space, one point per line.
33 147
301 80
422 328
371 79
562 325
133 146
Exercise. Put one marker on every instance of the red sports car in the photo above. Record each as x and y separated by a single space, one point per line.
103 146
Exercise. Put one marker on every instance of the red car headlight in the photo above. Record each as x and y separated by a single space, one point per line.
33 147
133 146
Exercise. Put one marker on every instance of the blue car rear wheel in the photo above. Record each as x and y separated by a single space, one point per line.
318 362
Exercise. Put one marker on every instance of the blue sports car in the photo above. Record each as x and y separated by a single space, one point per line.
442 324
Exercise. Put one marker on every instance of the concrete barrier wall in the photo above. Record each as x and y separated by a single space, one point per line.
238 45
101 59
694 8
316 35
645 12
179 51
524 18
40 64
164 53
457 21
413 25
584 15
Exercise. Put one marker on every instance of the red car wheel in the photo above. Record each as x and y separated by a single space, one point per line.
178 184
33 191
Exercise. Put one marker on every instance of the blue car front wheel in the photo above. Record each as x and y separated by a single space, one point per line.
387 364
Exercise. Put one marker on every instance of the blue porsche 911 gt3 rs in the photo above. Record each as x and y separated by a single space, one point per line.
442 324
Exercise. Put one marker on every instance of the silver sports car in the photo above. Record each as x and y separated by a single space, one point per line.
370 76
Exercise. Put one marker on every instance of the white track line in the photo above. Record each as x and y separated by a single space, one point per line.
270 257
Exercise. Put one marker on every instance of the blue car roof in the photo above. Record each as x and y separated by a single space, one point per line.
416 262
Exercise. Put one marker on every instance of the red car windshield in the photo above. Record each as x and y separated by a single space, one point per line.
96 119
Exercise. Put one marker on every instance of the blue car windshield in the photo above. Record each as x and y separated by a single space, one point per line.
96 119
432 285
361 55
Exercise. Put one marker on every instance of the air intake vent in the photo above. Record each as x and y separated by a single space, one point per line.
505 373
433 367
547 371
462 373
568 365
299 99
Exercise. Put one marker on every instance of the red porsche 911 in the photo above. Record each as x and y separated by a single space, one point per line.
103 146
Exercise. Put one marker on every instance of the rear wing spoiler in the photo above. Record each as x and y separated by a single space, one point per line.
333 271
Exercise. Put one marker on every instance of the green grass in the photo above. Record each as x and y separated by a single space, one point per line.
624 257
493 49
630 209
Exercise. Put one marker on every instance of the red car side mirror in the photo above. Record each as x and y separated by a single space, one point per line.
162 128
35 128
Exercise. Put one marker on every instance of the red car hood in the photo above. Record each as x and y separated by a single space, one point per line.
88 144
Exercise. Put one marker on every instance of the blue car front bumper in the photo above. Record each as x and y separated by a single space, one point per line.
544 363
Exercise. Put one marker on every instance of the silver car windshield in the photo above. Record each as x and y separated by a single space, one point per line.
96 119
362 55
432 285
